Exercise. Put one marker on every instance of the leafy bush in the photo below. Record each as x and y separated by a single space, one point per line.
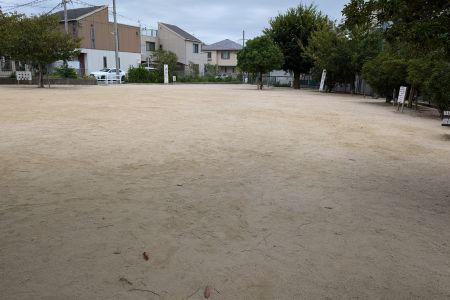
385 73
65 71
206 78
438 87
142 75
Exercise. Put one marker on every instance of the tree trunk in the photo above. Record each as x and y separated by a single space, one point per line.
353 85
410 98
261 81
296 85
41 76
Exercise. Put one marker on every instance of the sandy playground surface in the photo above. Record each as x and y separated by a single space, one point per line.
274 194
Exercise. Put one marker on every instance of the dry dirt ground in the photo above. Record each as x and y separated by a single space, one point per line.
274 194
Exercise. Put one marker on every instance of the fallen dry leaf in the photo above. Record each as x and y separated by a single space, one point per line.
145 255
207 292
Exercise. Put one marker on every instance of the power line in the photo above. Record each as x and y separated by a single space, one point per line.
31 4
54 8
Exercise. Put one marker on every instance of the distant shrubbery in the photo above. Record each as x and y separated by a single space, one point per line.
65 71
142 75
206 78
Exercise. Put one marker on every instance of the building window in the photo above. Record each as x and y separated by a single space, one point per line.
105 62
209 56
92 37
225 54
195 48
149 46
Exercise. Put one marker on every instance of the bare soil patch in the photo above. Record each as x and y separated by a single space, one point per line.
157 192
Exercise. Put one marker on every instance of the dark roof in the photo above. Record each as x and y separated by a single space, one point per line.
181 32
74 14
223 45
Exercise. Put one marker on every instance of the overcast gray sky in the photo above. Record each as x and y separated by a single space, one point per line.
209 20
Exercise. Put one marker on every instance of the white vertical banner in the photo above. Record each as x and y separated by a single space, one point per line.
322 81
402 94
401 98
166 74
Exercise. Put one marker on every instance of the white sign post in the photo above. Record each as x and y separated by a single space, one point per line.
166 74
446 119
322 81
401 97
23 75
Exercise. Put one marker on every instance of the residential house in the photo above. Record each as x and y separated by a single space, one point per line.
7 66
149 44
187 47
92 25
224 55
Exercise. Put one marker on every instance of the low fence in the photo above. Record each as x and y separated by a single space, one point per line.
284 81
53 81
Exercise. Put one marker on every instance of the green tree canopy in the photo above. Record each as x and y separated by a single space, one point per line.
164 57
260 55
365 43
9 31
291 32
385 73
438 86
37 40
422 24
329 48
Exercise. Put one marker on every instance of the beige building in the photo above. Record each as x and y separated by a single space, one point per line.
92 25
187 47
224 55
149 44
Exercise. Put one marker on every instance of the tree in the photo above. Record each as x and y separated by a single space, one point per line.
291 32
365 43
416 33
329 48
260 55
419 71
422 24
385 73
438 86
163 57
9 31
40 41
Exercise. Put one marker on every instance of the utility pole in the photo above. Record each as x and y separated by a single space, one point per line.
66 24
116 38
243 45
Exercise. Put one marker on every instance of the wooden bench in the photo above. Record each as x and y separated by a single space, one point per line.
446 119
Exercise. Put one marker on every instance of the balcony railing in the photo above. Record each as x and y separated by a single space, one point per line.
149 32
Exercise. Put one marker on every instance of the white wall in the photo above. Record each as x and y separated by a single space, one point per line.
144 53
94 59
232 62
216 58
200 58
172 42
